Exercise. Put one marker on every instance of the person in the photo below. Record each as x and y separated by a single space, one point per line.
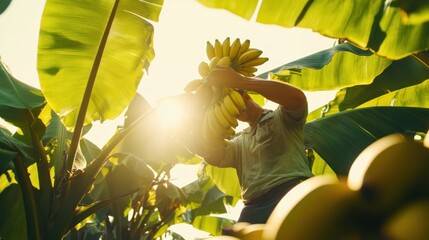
269 155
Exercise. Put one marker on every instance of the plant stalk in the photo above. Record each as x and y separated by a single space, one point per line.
31 211
77 133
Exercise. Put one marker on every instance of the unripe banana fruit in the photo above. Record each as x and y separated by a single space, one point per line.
203 69
242 58
226 104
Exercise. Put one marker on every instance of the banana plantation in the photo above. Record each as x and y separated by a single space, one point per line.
368 145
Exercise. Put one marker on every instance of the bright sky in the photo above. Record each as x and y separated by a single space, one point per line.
180 40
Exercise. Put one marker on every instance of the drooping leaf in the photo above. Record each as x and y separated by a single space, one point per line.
390 88
211 224
12 219
414 96
370 24
20 104
414 11
340 66
243 8
214 203
10 147
353 130
69 39
226 179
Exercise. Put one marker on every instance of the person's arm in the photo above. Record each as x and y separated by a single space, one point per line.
288 96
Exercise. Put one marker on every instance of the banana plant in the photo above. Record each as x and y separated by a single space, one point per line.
78 49
383 63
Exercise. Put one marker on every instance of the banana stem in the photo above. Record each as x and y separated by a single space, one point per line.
31 211
77 134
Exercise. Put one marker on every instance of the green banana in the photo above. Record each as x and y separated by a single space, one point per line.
249 55
238 100
203 69
243 48
193 85
235 47
220 116
218 49
210 51
226 47
254 62
230 106
231 119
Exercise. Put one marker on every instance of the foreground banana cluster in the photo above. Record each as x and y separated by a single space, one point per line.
385 196
224 104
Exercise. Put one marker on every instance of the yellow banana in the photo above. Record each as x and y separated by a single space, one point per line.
209 135
229 132
203 69
238 100
231 119
246 73
226 47
213 62
230 106
243 48
210 51
218 49
235 47
255 62
193 85
248 69
249 55
224 62
215 126
220 116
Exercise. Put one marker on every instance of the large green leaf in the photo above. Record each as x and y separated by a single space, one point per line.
10 147
353 130
340 66
70 37
370 24
243 8
225 178
20 103
393 87
414 11
12 219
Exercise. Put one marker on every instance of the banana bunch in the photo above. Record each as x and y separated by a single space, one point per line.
220 118
238 55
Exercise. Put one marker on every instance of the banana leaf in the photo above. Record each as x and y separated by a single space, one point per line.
376 25
10 147
71 42
339 138
403 83
414 11
20 104
12 219
341 66
4 5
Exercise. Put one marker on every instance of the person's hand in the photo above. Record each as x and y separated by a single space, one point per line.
225 76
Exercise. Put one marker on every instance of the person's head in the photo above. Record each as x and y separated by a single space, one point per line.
253 110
